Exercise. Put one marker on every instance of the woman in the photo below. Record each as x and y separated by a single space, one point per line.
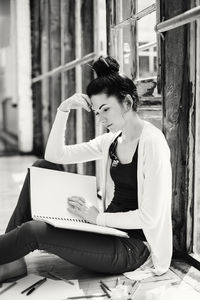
135 186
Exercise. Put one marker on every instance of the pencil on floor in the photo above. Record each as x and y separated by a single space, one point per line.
134 288
86 297
131 287
65 280
8 287
34 284
105 285
117 282
105 290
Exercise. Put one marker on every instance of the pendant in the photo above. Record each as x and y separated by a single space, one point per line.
115 163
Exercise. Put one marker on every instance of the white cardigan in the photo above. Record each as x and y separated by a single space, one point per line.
154 176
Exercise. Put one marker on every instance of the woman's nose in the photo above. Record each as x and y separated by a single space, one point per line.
101 119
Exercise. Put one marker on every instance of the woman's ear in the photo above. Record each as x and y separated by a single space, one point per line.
128 102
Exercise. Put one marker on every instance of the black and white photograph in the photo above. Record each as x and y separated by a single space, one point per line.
99 149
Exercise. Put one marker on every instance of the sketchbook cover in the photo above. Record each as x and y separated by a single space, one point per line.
49 190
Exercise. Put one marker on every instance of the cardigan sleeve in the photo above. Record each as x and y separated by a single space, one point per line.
156 190
57 152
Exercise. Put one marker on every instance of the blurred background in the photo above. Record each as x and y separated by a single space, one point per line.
46 47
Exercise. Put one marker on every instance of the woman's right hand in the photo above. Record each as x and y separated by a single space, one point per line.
77 100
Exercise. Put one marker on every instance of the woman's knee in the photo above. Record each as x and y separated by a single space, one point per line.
42 163
32 232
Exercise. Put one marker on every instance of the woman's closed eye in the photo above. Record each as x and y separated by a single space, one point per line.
104 110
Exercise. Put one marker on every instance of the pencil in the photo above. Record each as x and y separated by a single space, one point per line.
87 296
66 280
117 282
35 287
105 290
134 288
105 285
31 286
8 287
132 285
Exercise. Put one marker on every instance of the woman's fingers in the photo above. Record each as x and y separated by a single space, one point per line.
74 210
84 101
77 199
77 203
77 100
88 101
80 100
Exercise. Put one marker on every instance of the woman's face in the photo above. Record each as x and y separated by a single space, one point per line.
108 111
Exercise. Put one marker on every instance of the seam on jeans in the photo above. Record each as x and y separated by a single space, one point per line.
85 251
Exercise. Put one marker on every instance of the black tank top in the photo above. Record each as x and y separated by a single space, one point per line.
125 192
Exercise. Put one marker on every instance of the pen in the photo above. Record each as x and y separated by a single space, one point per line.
66 280
133 289
105 290
36 286
117 282
8 287
31 286
87 296
105 285
132 285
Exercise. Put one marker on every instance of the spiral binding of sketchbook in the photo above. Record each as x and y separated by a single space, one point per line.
60 219
49 190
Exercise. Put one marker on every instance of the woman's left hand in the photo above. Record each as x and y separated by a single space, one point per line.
79 207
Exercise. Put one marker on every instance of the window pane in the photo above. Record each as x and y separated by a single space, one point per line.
127 52
144 4
147 55
147 46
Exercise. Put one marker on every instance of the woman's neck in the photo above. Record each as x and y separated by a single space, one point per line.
132 128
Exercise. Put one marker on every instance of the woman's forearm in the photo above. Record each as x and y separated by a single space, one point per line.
56 142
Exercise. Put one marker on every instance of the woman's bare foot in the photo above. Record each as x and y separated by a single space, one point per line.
13 269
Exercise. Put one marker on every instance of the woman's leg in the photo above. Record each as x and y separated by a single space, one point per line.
101 253
22 212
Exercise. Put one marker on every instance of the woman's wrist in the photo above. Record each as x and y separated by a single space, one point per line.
101 219
59 109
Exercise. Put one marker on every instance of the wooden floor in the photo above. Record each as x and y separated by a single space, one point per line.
12 174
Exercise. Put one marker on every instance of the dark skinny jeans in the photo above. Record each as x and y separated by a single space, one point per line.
100 253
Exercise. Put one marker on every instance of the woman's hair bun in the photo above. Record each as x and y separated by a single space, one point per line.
104 66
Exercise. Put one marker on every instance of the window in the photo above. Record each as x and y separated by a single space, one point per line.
134 43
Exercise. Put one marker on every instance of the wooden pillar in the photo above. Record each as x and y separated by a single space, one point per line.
23 75
46 118
68 44
109 21
87 74
176 105
133 29
55 55
36 70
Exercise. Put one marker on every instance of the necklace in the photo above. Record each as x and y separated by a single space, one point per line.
113 156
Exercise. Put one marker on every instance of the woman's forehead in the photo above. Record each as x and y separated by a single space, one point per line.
100 99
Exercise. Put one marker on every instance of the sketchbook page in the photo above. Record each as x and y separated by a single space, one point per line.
50 189
87 227
51 289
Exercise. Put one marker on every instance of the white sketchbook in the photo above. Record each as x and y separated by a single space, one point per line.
49 190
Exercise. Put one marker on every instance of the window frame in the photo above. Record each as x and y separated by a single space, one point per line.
116 41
